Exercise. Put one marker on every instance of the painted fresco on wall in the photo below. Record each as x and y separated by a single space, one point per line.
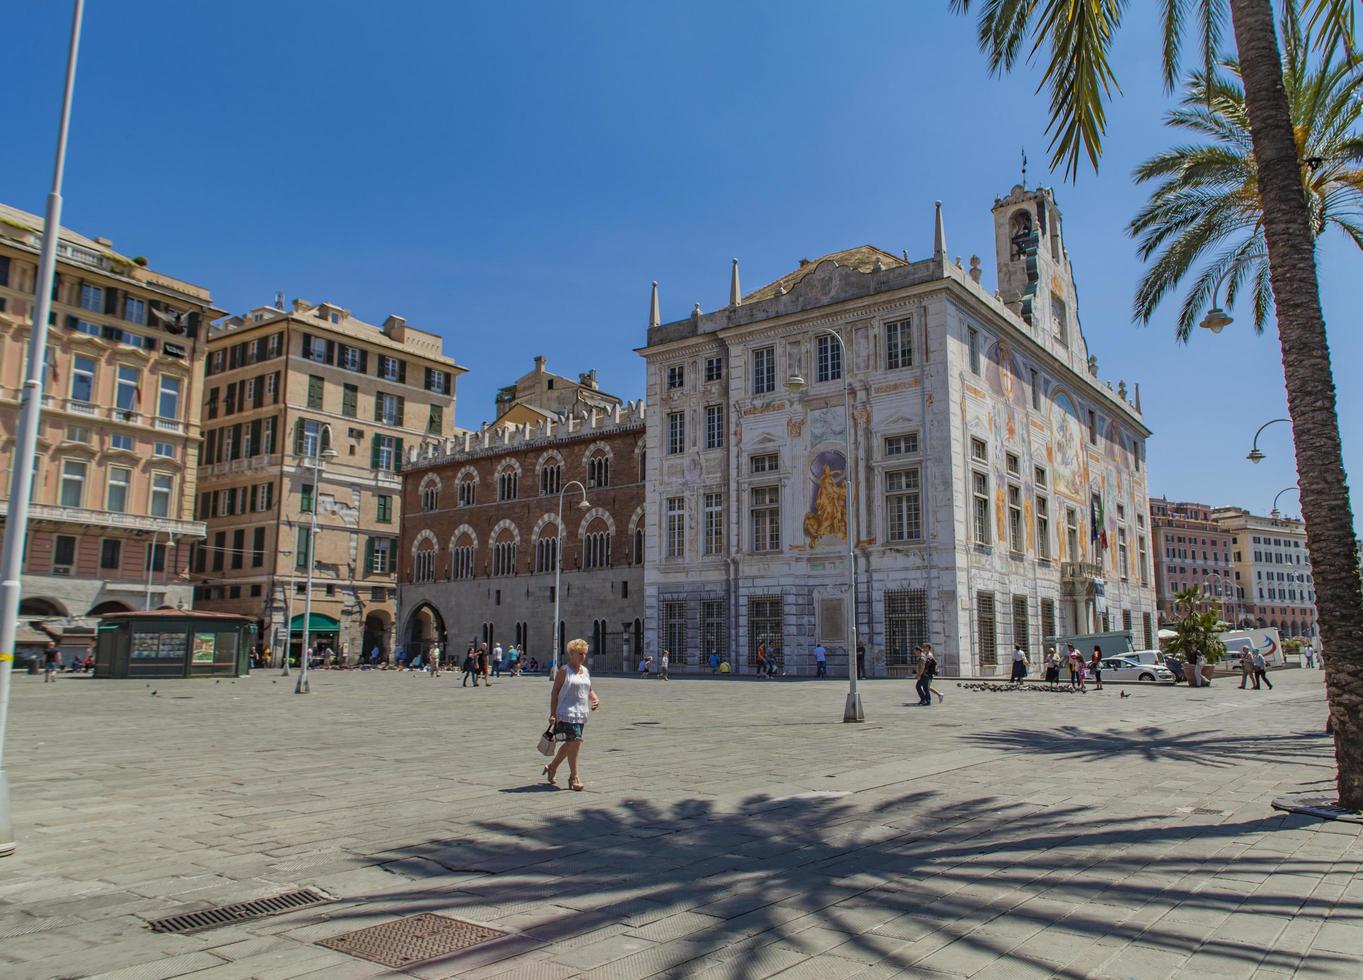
827 516
1004 375
1065 452
827 425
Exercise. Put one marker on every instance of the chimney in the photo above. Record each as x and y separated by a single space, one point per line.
394 322
299 305
540 361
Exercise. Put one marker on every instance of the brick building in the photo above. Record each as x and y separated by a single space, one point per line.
1191 549
480 537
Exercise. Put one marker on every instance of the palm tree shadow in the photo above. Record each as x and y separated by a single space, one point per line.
1208 747
813 873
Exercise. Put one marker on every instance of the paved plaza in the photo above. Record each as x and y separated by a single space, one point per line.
730 828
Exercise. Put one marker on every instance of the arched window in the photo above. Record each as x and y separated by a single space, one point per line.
551 477
507 478
461 556
430 493
596 548
546 549
504 556
466 486
638 555
598 470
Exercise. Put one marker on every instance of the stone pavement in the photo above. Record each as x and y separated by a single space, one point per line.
730 828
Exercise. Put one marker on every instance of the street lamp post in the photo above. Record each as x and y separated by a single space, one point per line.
151 561
26 437
1224 588
1273 511
286 554
1254 455
323 438
558 564
852 710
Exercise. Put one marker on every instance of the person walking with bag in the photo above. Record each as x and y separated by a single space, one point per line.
927 670
570 702
1261 670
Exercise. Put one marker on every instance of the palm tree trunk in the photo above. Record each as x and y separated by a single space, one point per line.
1310 386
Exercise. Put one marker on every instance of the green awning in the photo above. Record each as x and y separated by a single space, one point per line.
319 623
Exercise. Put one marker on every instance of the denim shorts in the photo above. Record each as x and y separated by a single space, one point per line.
571 731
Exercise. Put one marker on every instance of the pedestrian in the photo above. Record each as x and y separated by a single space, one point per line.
1247 668
435 659
820 661
469 666
482 666
52 662
663 661
374 656
1074 661
570 702
762 660
861 660
714 663
1052 662
514 659
1019 664
497 660
1083 673
402 658
1096 668
1261 670
1310 653
923 683
646 665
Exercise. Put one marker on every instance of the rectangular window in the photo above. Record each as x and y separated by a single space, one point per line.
350 399
169 405
1072 551
129 381
83 379
258 547
676 433
1148 628
1093 427
1059 315
315 349
91 298
305 498
383 509
266 496
1047 619
435 420
714 523
219 550
350 358
714 426
1020 625
714 369
765 627
1122 553
713 629
676 376
316 385
161 485
156 557
980 503
764 463
110 554
391 369
1043 526
165 450
383 556
300 549
985 631
903 506
1010 463
676 527
906 625
766 519
1036 390
1015 530
1142 559
979 451
763 370
238 547
903 445
674 631
898 345
135 310
63 554
120 479
388 409
272 388
972 340
827 358
73 483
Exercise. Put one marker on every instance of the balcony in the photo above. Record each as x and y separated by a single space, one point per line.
109 519
1077 578
91 410
243 465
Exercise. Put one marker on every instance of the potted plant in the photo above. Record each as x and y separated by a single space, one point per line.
1198 629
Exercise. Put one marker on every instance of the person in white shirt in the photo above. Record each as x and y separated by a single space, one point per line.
662 666
1019 664
497 660
570 702
820 661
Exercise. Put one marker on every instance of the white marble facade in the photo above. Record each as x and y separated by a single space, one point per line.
984 444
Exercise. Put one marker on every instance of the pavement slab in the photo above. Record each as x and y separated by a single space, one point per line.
744 831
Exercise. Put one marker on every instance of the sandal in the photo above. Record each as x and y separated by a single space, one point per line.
576 785
549 775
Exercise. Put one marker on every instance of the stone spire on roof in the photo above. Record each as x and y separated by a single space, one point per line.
654 317
939 236
735 294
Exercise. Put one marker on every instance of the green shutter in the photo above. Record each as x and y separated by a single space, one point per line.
402 410
397 457
374 451
298 437
402 371
449 383
368 557
378 406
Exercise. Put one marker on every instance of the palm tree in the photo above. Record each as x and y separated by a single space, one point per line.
1198 628
1080 80
1207 195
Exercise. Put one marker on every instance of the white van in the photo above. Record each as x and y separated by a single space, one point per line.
1145 656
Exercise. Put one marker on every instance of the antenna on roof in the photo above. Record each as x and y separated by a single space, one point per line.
279 300
1024 168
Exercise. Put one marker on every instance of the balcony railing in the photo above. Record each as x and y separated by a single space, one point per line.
77 406
105 518
1080 572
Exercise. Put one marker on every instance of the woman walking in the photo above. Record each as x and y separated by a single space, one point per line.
1096 668
1052 668
469 666
571 700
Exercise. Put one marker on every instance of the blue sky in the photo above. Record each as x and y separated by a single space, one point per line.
514 177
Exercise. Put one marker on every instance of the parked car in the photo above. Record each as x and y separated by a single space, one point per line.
1126 669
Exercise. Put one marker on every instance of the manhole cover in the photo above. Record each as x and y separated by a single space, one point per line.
414 939
221 915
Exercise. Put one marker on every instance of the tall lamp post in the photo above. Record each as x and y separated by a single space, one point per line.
323 439
286 554
1273 511
26 438
151 561
1254 455
1224 588
852 710
558 563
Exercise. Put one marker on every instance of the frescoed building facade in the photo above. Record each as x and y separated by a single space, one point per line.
999 487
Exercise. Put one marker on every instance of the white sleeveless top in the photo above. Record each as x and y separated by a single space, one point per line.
573 697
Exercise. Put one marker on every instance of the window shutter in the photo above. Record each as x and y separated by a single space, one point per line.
402 371
402 409
449 382
70 322
256 448
4 270
298 437
368 557
397 457
236 441
276 388
307 345
378 406
429 375
111 302
331 352
374 452
364 361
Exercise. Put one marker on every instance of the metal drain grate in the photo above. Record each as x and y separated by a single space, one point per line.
414 939
222 915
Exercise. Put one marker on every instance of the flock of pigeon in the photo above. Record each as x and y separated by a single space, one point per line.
990 687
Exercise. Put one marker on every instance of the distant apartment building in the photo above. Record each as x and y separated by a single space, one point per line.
481 533
1272 571
1192 549
112 517
284 389
540 394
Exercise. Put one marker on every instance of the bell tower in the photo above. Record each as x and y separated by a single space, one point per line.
1035 278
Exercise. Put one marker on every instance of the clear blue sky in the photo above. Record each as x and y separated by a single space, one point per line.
514 178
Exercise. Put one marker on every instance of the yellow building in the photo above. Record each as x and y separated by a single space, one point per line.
112 511
283 390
